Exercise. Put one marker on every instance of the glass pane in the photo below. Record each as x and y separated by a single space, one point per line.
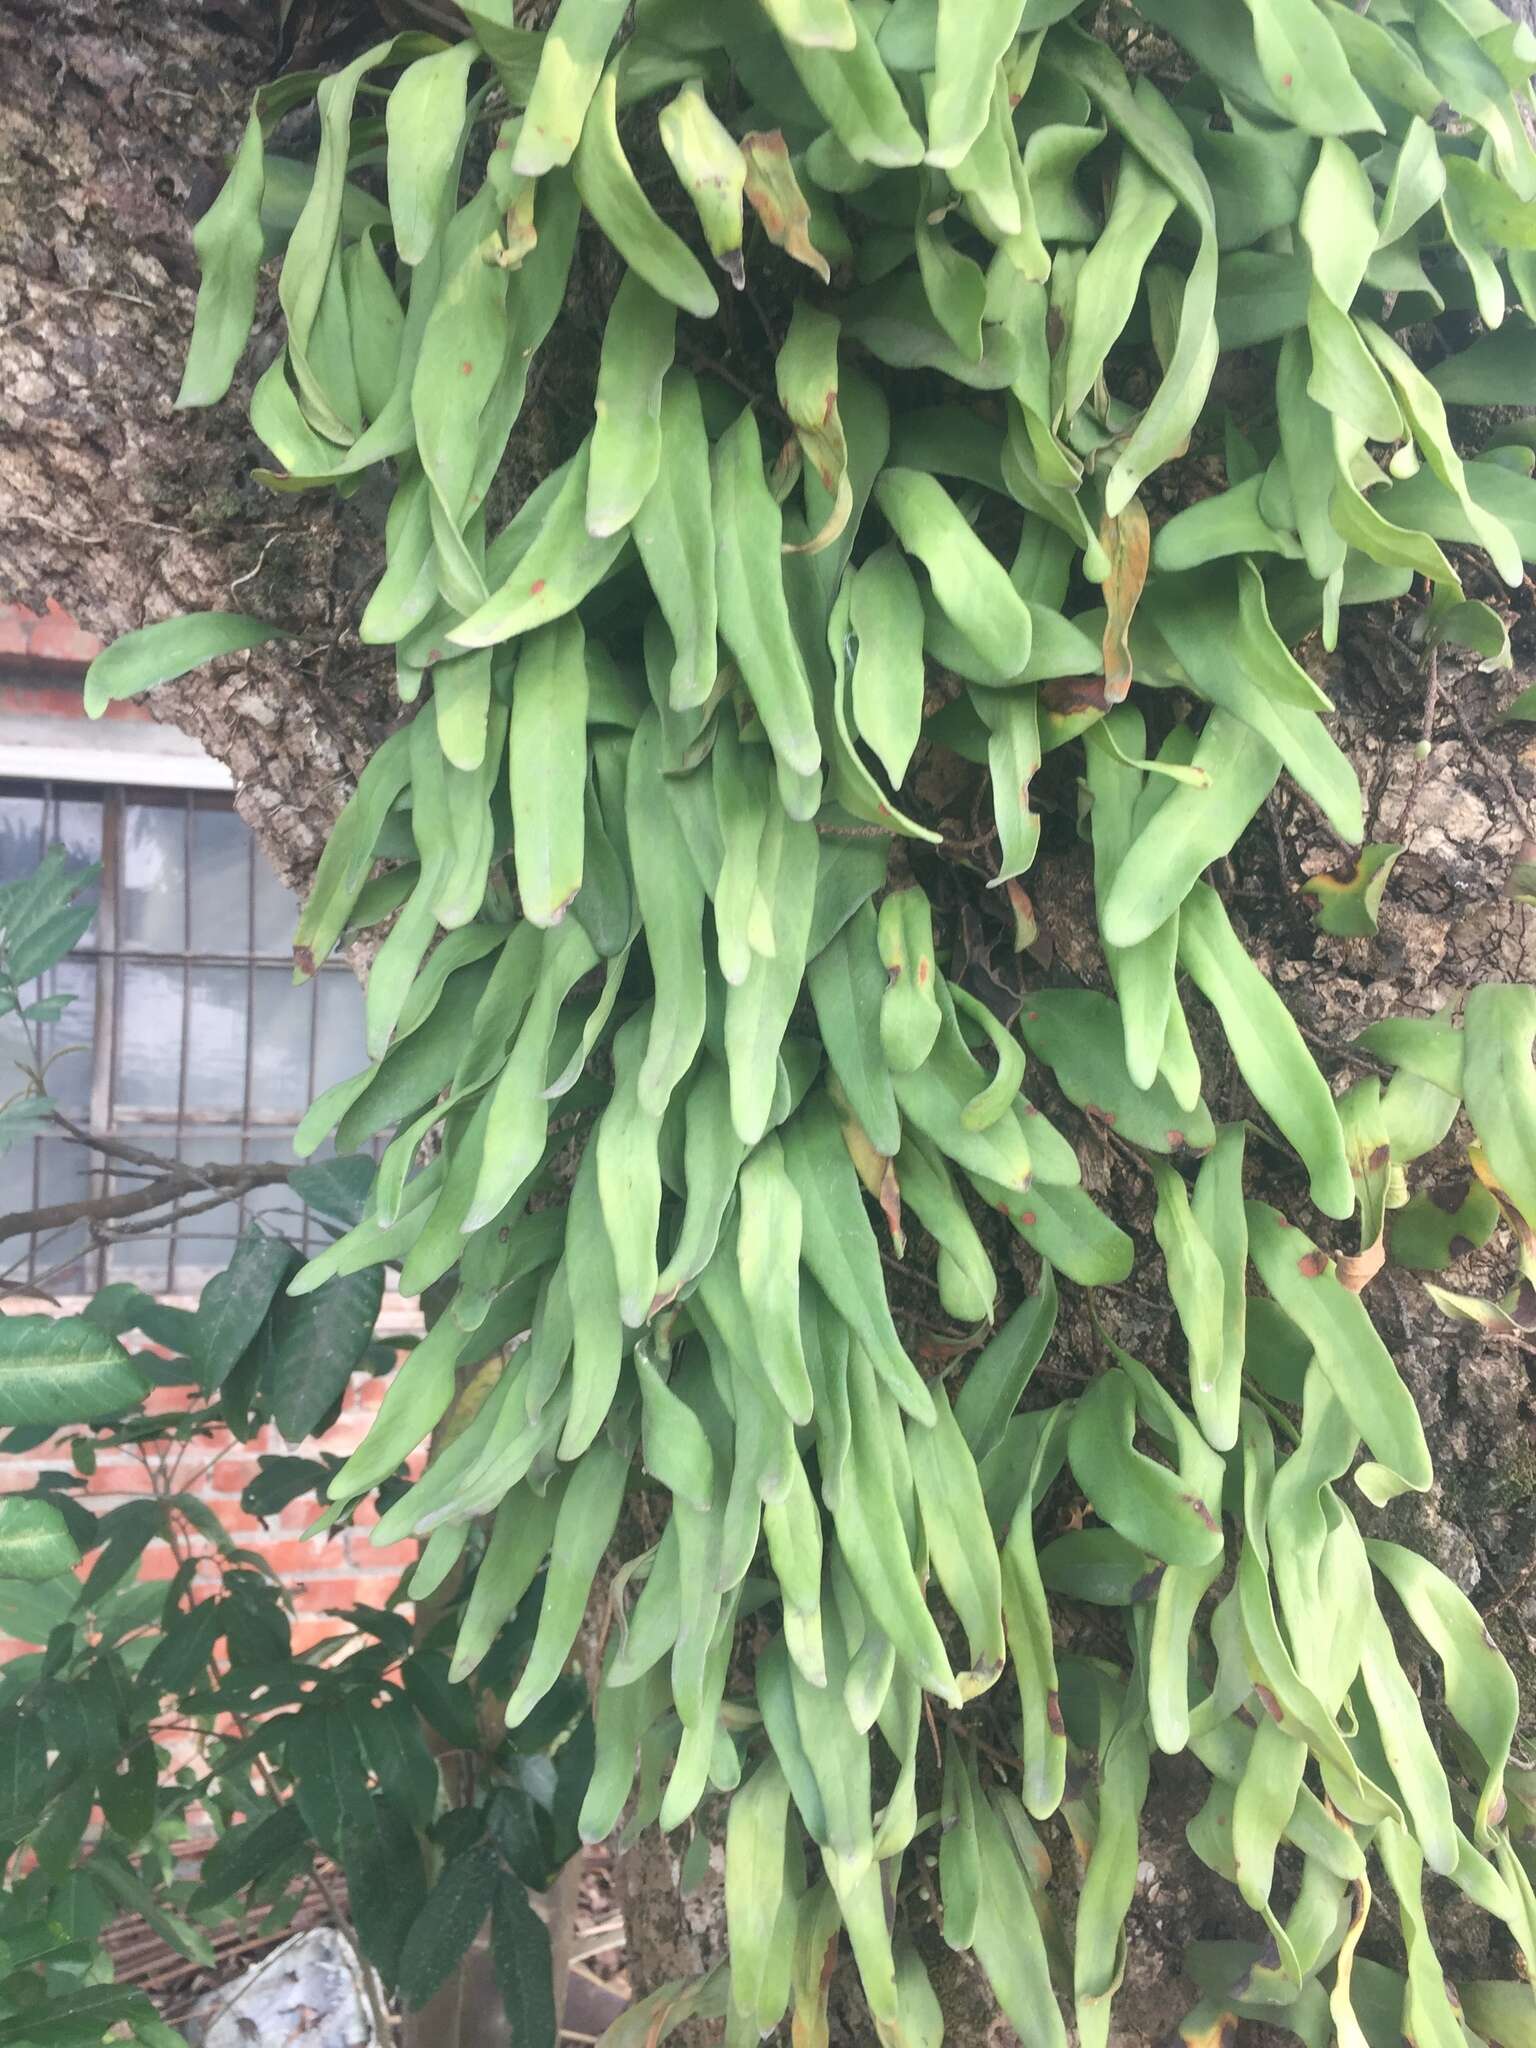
74 823
221 882
21 835
66 1041
196 1261
60 1259
278 1209
340 1046
21 1164
148 1061
216 1024
280 1031
144 1260
277 912
204 1244
153 877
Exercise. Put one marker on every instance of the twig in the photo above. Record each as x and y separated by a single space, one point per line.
1495 768
117 1148
1510 1592
1426 734
231 1182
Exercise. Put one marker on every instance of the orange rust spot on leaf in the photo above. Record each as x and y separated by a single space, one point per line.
1053 1718
1175 1139
1027 1216
1313 1264
1269 1703
536 589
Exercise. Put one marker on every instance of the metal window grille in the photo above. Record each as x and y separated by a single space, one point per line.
193 1040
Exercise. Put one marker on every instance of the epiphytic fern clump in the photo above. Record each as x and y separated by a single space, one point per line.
662 980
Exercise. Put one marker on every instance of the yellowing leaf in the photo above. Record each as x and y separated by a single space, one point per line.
774 194
1348 902
1127 540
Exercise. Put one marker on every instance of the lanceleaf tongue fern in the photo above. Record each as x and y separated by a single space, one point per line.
683 701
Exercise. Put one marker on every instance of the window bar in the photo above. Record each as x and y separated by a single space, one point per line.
48 985
250 1010
37 1143
105 1039
310 1090
173 1246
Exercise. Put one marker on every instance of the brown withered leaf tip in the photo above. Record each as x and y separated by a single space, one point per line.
1068 695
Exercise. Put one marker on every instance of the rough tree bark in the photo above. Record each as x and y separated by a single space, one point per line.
113 126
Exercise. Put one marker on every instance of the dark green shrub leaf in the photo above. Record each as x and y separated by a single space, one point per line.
521 1953
234 1304
386 1886
453 1914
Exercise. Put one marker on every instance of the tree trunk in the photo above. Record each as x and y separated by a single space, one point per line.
114 126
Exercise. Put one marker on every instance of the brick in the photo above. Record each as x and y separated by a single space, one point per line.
230 1477
158 1562
247 1529
169 1400
291 1556
118 1473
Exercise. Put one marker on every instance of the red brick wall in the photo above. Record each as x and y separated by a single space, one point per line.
336 1569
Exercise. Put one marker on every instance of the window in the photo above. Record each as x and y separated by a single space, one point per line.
187 1035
